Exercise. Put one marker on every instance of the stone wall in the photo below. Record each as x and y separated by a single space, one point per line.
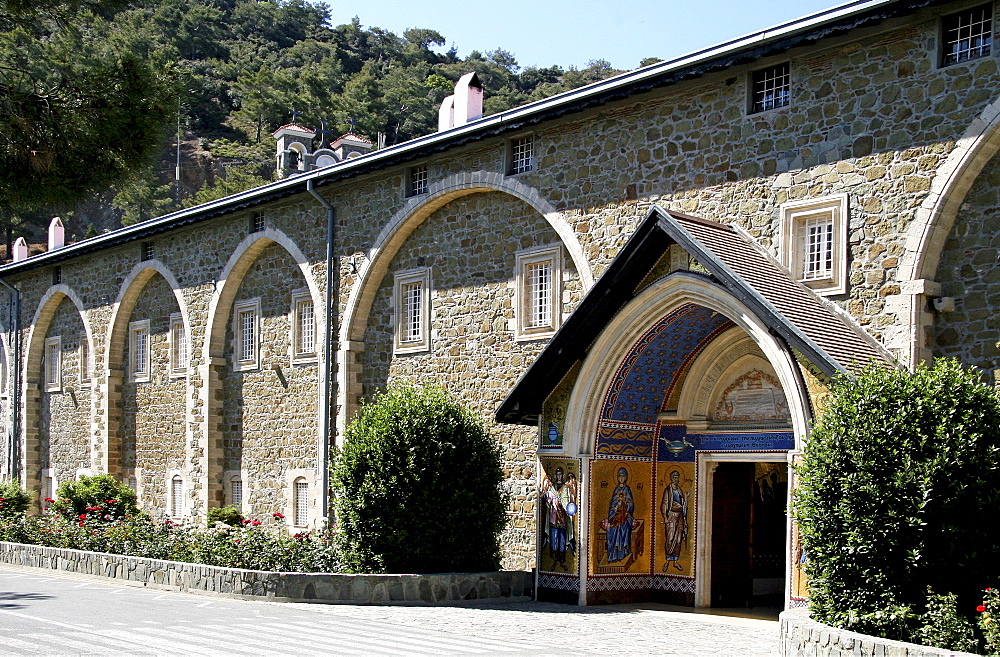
871 116
801 636
325 588
968 273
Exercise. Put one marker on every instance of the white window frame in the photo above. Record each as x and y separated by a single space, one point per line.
230 478
49 485
417 180
982 48
301 353
252 360
180 346
84 361
293 478
176 503
775 96
795 217
518 164
526 322
53 364
136 329
406 341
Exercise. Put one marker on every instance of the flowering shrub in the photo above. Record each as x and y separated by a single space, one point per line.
249 545
989 621
95 497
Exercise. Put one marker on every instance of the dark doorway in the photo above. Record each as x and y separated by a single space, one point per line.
748 534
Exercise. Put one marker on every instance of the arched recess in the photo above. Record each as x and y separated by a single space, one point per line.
928 232
129 292
207 478
395 233
741 340
33 385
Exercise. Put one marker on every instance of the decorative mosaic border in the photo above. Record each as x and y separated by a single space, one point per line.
632 582
558 582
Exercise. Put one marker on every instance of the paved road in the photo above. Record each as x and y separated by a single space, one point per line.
52 613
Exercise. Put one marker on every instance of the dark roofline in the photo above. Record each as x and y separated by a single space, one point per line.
775 40
619 285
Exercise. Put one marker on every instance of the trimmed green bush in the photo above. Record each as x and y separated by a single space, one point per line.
419 487
228 515
14 500
898 491
102 495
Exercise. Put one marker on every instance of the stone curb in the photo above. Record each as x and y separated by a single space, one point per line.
801 636
323 588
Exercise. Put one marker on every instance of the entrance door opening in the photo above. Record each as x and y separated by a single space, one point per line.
748 534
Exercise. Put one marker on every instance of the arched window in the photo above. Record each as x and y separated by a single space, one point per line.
300 506
236 492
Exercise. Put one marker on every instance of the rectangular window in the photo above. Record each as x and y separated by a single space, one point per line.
138 350
538 289
300 511
770 88
303 326
236 493
84 360
412 308
967 35
177 497
246 322
56 275
178 345
148 251
417 183
522 155
814 234
257 223
53 364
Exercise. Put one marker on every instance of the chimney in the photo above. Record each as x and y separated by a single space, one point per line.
20 249
57 234
465 105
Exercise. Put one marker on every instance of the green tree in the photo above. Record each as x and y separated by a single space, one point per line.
143 198
418 487
235 180
897 478
79 108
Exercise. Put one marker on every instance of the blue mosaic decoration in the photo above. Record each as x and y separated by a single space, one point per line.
620 439
649 371
674 445
744 442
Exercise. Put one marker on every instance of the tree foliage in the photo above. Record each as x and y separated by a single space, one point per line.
897 489
418 487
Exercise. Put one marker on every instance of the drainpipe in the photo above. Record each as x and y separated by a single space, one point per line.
331 355
14 458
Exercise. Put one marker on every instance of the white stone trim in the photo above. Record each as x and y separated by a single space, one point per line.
552 254
402 343
611 347
52 372
135 329
242 362
177 508
296 354
833 210
312 516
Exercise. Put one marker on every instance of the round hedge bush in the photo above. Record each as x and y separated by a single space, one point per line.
419 487
898 493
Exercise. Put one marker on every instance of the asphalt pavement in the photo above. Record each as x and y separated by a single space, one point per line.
53 613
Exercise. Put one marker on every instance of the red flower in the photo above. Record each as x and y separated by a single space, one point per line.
82 516
988 589
255 522
49 500
246 521
981 608
278 515
110 502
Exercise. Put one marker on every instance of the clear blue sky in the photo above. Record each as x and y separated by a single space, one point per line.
570 33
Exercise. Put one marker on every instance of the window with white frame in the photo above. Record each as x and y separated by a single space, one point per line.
178 345
770 88
177 496
814 239
538 292
84 360
138 350
236 492
412 308
49 486
246 329
300 505
522 155
52 366
967 35
303 326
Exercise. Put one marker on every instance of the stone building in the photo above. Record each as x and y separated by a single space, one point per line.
647 282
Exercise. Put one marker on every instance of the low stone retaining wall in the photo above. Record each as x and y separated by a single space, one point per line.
510 586
801 636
